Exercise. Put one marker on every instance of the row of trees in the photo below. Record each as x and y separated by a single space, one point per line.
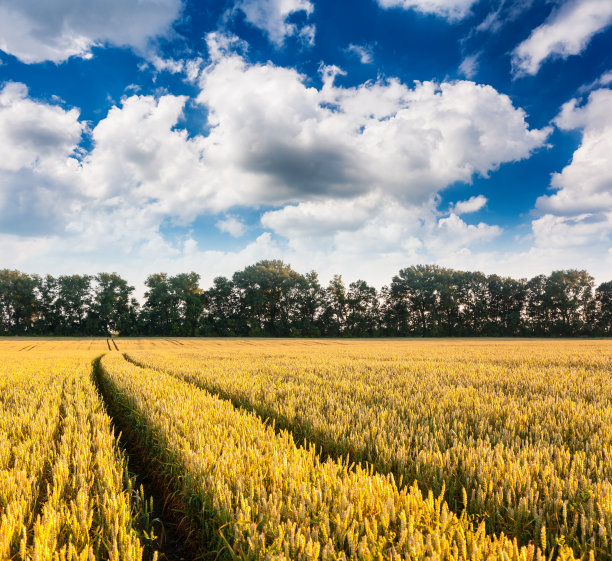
270 298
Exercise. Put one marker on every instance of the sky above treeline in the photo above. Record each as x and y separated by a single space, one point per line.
347 136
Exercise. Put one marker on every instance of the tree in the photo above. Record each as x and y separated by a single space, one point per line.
538 309
361 309
74 298
447 291
160 314
561 304
417 288
48 320
110 308
472 303
333 318
507 298
603 311
571 297
268 296
190 300
223 303
18 302
308 303
395 319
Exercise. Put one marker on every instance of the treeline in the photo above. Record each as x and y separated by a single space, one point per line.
271 299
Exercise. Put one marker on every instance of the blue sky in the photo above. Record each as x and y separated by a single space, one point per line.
348 137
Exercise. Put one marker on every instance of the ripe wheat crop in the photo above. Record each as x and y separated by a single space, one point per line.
520 434
63 490
282 449
263 497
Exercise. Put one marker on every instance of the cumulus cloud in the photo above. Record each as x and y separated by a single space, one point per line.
352 171
189 67
473 204
375 224
35 134
232 225
137 152
273 140
453 234
323 218
39 144
277 140
55 30
453 10
567 31
585 185
273 18
579 213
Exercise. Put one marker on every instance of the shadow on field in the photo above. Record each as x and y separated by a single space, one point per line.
158 524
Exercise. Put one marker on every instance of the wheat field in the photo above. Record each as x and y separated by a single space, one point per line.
305 449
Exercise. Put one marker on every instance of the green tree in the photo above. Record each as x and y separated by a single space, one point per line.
335 307
507 299
538 308
268 296
160 312
308 303
561 304
222 308
570 295
362 309
74 299
18 302
110 308
189 298
416 288
603 298
48 319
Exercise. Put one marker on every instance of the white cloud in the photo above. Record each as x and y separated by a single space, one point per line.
272 17
38 143
604 80
276 140
232 225
363 52
190 68
567 31
503 13
355 172
323 218
580 231
453 10
55 30
473 204
585 185
469 65
454 234
136 152
577 217
34 134
273 140
375 224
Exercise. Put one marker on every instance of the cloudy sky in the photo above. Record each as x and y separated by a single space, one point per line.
347 136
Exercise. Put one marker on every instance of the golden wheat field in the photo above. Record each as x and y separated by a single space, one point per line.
305 449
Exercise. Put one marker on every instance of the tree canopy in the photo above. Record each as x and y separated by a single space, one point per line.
271 299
